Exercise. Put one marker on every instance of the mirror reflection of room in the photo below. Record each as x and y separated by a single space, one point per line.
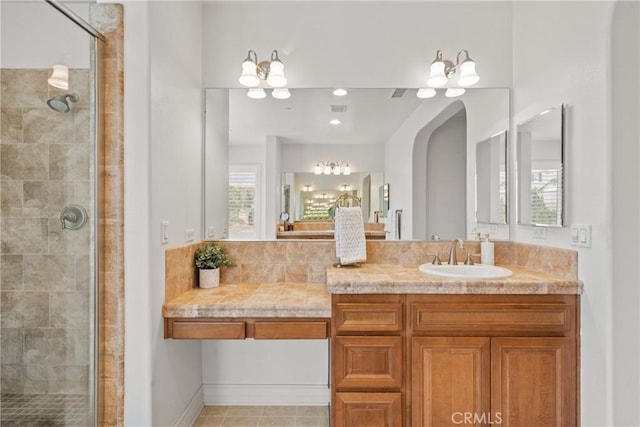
381 137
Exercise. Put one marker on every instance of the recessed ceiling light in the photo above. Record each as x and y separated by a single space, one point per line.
334 122
340 92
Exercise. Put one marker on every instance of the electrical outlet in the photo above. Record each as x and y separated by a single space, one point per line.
493 228
164 232
540 233
189 235
211 232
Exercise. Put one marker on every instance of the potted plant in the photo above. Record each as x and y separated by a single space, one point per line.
209 259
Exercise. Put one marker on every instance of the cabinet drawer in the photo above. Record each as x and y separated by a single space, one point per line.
208 330
367 362
368 317
290 330
550 315
367 409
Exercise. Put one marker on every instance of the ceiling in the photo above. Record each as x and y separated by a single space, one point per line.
371 116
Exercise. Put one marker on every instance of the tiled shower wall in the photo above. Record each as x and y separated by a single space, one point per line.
45 308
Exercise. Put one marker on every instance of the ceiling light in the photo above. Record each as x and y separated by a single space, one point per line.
60 77
333 168
426 92
281 93
340 92
272 71
452 92
442 70
256 93
335 122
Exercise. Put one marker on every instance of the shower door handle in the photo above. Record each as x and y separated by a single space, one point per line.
73 217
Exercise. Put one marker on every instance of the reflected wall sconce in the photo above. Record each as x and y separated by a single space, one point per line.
333 168
345 187
272 71
60 77
307 188
443 69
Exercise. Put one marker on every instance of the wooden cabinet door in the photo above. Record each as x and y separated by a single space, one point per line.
450 381
367 363
533 381
368 410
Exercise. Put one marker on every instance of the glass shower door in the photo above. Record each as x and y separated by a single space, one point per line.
47 218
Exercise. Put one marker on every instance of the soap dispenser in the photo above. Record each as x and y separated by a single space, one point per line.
486 250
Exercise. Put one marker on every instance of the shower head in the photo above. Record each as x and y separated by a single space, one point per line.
60 104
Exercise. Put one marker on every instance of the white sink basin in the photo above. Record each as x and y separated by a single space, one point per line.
462 271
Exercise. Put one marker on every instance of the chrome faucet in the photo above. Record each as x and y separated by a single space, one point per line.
453 256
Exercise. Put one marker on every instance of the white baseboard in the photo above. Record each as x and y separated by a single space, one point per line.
266 395
192 410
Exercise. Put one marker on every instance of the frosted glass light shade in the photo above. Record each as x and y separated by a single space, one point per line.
249 78
347 169
276 76
437 77
318 169
256 93
426 92
281 93
468 75
452 92
60 77
327 170
336 170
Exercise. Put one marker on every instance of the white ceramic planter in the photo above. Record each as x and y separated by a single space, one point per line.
209 278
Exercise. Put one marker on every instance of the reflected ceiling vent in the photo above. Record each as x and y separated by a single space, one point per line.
398 93
338 108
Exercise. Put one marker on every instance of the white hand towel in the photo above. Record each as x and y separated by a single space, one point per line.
351 246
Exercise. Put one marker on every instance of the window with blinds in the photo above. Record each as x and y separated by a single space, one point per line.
546 195
243 202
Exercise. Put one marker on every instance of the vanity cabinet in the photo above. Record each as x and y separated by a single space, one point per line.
367 360
466 359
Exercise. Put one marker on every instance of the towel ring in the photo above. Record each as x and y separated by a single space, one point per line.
343 200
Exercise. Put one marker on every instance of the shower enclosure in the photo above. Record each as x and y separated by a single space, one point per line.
48 215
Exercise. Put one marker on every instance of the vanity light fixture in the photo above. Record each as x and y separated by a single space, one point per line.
307 188
333 168
452 92
443 69
60 77
426 92
272 71
340 92
345 187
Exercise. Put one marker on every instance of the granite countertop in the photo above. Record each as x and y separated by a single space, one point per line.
407 279
304 300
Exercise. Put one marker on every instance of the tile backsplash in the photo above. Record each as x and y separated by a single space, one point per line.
306 261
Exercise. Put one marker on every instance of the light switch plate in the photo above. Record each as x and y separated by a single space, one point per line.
581 235
164 232
189 235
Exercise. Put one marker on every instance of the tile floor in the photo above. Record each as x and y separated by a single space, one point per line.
263 416
39 410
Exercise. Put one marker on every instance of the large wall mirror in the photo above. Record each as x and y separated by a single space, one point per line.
261 157
540 160
491 179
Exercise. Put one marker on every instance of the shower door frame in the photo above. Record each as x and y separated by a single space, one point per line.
97 131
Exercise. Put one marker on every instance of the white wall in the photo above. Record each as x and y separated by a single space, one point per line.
137 226
560 55
176 188
625 96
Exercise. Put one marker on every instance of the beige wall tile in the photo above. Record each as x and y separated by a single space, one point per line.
45 346
12 378
69 162
49 272
23 235
68 379
11 273
24 161
46 199
65 241
11 198
10 125
46 126
11 346
20 89
36 379
69 309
